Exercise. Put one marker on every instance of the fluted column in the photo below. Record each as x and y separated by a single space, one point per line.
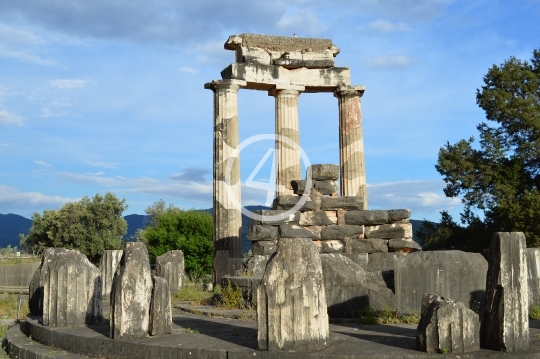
227 197
351 142
287 155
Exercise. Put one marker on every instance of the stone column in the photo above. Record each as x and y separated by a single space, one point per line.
287 156
351 142
227 198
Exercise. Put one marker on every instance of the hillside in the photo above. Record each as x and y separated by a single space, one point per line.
12 224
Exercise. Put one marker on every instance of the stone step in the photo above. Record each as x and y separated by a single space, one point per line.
20 346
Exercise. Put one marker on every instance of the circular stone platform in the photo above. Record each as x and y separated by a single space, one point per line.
200 336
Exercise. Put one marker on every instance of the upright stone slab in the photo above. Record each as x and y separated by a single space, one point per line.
533 267
109 263
160 308
505 322
291 302
171 267
349 287
131 293
71 289
447 326
452 274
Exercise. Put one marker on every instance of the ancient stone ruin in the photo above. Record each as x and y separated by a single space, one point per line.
447 326
170 266
505 322
66 289
285 67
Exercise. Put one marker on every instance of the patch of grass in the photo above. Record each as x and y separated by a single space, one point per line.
192 331
9 304
534 311
369 316
231 298
193 294
18 260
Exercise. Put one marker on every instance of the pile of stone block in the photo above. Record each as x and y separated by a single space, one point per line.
335 224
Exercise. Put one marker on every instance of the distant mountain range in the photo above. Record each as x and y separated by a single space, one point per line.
12 224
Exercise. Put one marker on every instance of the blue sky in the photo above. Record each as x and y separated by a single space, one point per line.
107 95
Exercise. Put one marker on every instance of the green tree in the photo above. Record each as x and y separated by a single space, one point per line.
88 225
190 231
500 175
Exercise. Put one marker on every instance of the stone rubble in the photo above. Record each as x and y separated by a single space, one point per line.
170 266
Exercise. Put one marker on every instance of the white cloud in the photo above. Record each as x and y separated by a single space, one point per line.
422 196
381 26
188 190
12 199
101 164
47 112
188 70
388 62
212 53
67 84
9 118
42 163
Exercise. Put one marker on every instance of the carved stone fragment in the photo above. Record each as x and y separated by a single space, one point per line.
171 267
505 322
447 326
292 287
109 263
160 319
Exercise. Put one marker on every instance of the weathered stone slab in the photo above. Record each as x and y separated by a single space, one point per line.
342 232
318 218
295 59
287 202
253 54
367 217
257 73
256 264
328 187
320 80
362 259
389 231
292 287
349 287
160 319
447 326
453 274
404 245
296 231
383 261
332 246
366 245
170 266
299 187
396 215
347 202
108 264
505 322
262 232
270 216
71 289
131 294
263 248
323 172
533 267
278 43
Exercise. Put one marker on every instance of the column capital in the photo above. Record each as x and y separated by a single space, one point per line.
225 84
286 89
343 91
